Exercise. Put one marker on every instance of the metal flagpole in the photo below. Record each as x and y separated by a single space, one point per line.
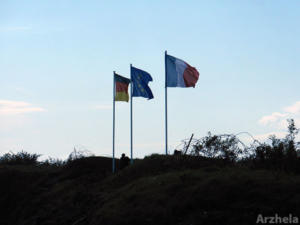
113 150
131 143
166 103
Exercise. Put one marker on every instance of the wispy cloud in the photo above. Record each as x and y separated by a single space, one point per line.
103 107
274 117
294 109
106 106
279 119
15 28
8 107
264 137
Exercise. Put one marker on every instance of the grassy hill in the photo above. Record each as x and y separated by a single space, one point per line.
155 190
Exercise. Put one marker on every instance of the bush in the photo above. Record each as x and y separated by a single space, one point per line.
53 162
281 154
20 158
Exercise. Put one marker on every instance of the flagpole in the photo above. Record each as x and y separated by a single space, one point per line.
113 150
131 143
166 104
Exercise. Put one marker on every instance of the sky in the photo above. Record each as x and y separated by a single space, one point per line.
57 60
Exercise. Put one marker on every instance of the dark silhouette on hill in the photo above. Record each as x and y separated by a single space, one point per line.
124 161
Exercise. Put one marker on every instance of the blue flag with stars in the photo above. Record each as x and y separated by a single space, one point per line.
140 80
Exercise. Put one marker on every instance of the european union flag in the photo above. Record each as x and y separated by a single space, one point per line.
140 80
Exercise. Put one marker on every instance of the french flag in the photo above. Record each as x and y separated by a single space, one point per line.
179 73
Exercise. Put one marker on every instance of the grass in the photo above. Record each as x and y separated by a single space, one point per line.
156 190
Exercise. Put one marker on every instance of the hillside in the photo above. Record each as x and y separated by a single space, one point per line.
155 190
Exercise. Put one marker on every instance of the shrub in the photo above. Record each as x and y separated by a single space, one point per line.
20 158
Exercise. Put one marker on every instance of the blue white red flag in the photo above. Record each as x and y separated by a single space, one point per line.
179 73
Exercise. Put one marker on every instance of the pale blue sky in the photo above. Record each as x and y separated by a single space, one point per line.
57 59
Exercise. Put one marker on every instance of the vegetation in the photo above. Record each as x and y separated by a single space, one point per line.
21 158
219 181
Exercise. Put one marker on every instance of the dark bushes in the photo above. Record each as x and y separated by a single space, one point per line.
278 154
20 158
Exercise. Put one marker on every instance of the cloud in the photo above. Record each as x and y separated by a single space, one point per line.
294 109
104 107
264 137
279 119
15 28
16 107
274 117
